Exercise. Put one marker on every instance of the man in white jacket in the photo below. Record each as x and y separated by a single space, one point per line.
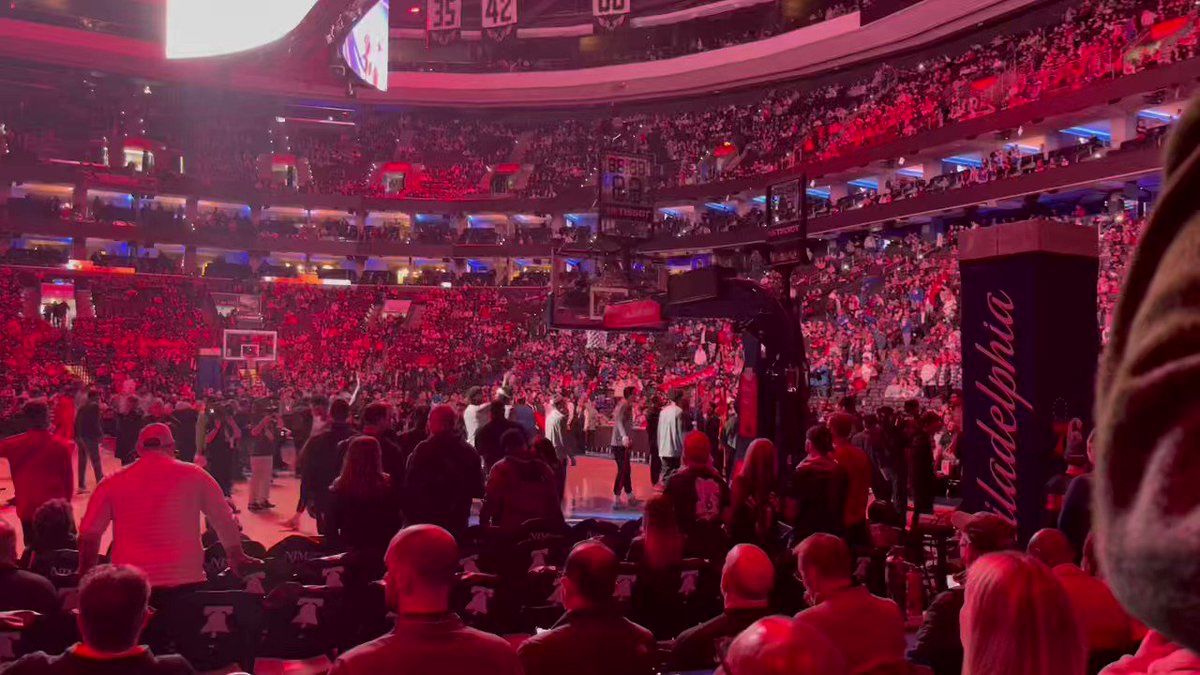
670 434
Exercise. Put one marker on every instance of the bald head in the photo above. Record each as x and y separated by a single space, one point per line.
748 577
591 575
422 562
778 646
442 419
1052 547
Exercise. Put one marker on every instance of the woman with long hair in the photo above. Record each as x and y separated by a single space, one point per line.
1017 620
754 496
660 545
365 512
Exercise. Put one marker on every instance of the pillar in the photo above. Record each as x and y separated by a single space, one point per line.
1123 128
191 209
256 214
1029 349
360 222
31 295
79 201
79 248
190 263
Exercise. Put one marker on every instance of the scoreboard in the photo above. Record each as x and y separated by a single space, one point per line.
626 208
787 221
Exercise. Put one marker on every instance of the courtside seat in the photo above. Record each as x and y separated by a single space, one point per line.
486 602
670 600
218 629
61 567
301 627
541 599
19 631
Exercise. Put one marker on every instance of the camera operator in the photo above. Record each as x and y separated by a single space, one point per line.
220 445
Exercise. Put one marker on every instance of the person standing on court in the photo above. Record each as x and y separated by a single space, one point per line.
622 446
88 435
670 434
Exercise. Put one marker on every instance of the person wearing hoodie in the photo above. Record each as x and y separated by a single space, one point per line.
700 498
1148 423
815 498
520 487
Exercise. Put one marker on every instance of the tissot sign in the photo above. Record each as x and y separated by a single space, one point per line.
1029 347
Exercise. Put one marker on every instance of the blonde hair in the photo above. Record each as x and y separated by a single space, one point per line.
1017 620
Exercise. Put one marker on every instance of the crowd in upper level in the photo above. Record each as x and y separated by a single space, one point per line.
450 158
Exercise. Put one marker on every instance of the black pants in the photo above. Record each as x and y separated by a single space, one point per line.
655 467
27 532
220 467
88 448
624 479
669 466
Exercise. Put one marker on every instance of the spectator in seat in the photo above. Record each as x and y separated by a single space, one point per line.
113 611
520 487
487 439
700 499
859 474
592 638
364 511
867 630
1107 627
443 476
746 583
155 506
815 500
422 561
938 643
1017 619
20 589
778 646
54 530
40 464
88 435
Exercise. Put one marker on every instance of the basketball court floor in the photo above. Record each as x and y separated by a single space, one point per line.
589 495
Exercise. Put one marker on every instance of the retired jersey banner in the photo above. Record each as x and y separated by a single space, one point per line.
610 14
443 21
499 19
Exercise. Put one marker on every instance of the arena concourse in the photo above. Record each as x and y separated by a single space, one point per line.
599 338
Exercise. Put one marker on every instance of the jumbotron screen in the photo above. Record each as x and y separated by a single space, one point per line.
366 47
200 28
